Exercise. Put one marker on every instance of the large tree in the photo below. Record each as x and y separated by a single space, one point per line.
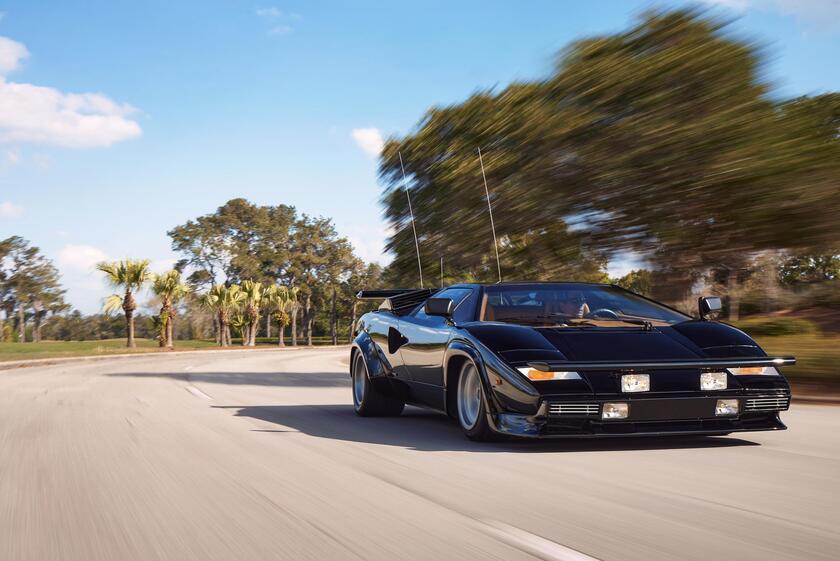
320 260
239 241
29 285
663 139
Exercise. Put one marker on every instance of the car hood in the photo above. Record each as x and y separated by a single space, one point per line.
618 344
519 344
685 341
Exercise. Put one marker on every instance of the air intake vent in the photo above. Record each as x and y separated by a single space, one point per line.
573 409
407 301
774 403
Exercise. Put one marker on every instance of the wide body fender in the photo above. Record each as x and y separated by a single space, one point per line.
373 360
380 373
503 391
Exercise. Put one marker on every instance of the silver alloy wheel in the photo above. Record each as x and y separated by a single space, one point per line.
469 396
359 381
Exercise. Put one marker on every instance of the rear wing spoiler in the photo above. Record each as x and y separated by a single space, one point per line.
736 362
398 300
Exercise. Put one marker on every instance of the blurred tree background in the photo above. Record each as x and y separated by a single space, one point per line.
664 140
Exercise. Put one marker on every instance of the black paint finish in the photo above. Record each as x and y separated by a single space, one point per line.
418 357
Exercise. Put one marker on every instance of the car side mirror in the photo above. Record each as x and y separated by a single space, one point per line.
708 306
439 307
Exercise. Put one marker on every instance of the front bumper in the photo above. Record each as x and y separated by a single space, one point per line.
651 415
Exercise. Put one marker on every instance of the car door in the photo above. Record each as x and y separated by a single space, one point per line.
423 345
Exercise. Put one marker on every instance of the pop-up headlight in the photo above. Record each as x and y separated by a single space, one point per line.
713 381
635 383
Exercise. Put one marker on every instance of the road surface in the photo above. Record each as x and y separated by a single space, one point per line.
258 455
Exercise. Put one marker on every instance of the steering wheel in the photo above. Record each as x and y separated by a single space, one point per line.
602 313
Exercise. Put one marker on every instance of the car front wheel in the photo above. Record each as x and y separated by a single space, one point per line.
472 414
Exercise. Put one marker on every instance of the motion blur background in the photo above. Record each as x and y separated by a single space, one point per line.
667 147
666 143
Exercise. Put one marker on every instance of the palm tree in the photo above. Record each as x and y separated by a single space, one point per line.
278 300
129 275
224 300
242 325
169 288
253 298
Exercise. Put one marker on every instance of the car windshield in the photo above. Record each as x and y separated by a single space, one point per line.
570 304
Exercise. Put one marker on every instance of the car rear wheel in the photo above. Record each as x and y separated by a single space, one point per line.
472 414
368 401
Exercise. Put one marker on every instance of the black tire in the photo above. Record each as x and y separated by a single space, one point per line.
471 404
367 400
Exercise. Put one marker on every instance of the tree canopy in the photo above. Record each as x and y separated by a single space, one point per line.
29 286
664 139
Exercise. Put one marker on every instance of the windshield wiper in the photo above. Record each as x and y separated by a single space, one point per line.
541 319
578 322
648 326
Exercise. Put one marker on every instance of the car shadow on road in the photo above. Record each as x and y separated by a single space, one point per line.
280 379
419 429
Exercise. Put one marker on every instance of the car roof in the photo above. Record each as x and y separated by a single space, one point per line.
520 283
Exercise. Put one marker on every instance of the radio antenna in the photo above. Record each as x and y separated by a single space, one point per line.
490 209
411 213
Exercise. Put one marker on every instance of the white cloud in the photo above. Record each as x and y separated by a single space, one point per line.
12 54
10 210
81 258
270 12
369 140
37 114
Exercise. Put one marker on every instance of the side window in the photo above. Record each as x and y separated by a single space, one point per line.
457 295
465 311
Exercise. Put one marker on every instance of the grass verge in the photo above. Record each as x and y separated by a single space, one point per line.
61 349
817 356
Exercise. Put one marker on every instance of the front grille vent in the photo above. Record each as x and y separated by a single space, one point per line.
774 403
573 409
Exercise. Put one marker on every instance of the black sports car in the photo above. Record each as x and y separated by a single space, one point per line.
562 360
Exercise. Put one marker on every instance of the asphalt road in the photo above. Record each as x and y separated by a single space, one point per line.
258 455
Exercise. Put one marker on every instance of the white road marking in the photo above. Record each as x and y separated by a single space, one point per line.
198 393
188 367
532 543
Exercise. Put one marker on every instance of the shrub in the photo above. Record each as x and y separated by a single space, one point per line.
774 327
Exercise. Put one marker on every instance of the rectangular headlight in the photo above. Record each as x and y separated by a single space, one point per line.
615 411
726 407
540 375
754 371
635 383
713 381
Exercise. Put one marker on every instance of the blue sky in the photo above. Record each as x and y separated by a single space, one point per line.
195 103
